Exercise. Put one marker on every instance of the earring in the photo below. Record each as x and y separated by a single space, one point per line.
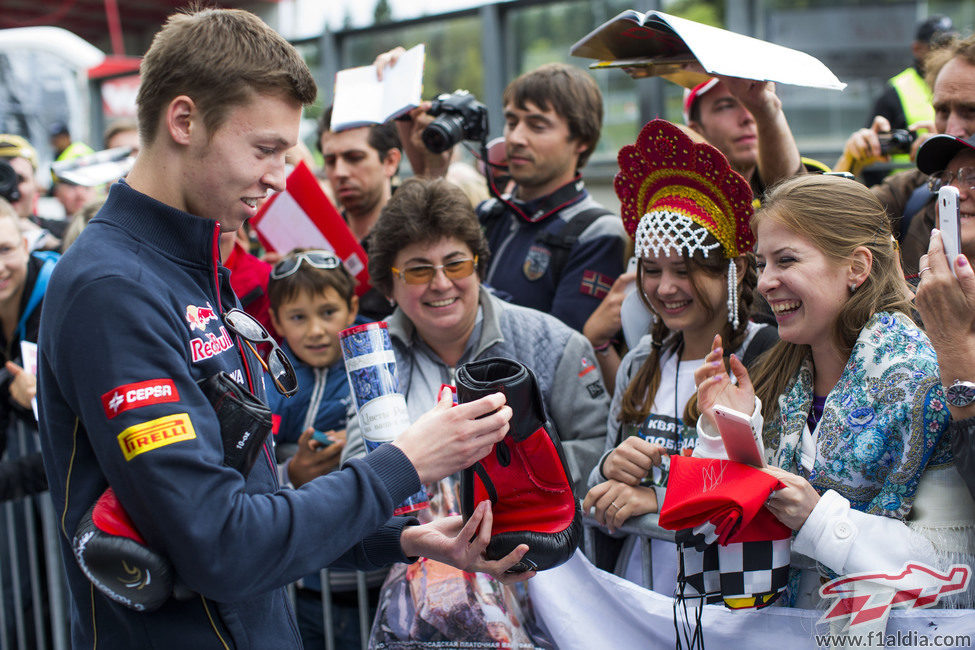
392 302
853 287
733 295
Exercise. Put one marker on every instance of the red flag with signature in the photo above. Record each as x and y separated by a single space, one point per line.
302 217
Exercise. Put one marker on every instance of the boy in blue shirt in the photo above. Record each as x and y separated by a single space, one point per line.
312 300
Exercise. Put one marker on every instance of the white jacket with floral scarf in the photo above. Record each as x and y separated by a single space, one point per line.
883 427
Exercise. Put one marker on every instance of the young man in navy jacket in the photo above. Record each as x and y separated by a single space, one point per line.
135 317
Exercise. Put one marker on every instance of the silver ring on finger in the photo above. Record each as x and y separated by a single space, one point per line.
613 505
920 273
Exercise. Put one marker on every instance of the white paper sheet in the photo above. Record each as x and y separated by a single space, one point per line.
361 98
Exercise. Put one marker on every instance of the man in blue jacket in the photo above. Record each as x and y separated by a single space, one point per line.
136 317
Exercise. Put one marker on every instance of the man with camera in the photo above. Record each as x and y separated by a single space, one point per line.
553 247
907 197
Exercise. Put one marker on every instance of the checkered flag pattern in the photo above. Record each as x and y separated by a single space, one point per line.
741 575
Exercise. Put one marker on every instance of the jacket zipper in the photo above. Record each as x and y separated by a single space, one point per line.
512 231
243 354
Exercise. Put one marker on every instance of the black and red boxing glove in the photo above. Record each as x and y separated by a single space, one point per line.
113 555
525 475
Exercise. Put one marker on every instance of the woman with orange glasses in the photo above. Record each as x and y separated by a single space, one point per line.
427 256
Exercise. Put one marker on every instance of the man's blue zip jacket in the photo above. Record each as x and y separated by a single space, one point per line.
132 320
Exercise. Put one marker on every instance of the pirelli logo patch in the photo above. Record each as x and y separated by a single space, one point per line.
140 438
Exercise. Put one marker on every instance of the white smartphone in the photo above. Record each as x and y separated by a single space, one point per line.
740 441
949 223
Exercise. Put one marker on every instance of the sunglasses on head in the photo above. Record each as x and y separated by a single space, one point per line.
278 366
291 264
424 273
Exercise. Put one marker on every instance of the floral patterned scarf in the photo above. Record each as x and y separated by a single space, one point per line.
884 422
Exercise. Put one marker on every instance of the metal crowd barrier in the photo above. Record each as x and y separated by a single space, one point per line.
365 621
33 606
634 530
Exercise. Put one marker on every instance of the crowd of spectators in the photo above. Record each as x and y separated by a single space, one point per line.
773 288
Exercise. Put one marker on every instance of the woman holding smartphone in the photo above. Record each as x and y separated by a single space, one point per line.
849 403
688 213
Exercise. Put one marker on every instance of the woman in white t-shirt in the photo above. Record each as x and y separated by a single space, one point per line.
688 213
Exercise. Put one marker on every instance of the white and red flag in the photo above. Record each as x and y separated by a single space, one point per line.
302 217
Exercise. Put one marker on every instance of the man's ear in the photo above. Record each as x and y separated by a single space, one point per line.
181 117
860 264
391 162
695 126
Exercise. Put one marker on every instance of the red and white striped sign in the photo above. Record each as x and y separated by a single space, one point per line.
302 217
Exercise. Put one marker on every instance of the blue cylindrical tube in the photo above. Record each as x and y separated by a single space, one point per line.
371 367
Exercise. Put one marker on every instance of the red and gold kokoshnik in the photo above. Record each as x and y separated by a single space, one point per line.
668 178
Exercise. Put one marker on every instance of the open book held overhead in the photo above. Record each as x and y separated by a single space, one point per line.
687 53
361 99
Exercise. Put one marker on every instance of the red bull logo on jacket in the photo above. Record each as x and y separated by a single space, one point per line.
198 317
213 345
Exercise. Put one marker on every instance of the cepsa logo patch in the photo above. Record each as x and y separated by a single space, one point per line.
143 393
140 438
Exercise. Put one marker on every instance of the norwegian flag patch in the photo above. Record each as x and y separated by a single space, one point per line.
595 284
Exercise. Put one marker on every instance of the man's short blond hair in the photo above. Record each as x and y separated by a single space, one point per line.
961 48
219 58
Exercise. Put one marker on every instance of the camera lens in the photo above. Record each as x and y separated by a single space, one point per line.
8 182
896 141
443 133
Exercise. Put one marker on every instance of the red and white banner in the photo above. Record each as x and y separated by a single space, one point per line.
584 608
302 217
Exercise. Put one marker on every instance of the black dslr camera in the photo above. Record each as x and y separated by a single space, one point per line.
896 141
9 182
459 117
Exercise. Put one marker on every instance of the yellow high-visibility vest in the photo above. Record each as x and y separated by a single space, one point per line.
915 96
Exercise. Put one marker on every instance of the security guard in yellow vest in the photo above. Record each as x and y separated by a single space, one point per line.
907 98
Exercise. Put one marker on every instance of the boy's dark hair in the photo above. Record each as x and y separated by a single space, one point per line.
422 211
220 58
382 137
310 280
570 92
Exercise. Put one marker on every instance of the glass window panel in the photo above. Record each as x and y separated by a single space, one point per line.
453 52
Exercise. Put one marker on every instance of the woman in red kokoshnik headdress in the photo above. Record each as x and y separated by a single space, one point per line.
688 213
